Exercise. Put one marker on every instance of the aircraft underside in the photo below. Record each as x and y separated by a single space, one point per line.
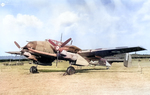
71 70
48 62
45 61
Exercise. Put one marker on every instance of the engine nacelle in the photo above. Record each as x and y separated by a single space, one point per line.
75 59
69 55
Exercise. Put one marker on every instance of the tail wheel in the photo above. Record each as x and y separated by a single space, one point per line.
33 69
71 70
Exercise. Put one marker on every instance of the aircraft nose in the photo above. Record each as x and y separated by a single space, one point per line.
30 45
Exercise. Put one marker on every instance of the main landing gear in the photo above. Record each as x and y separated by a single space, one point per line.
33 69
70 70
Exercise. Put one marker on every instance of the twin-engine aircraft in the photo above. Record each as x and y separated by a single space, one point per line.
45 52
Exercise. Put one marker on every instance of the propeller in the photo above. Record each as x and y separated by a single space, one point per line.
21 48
57 47
63 44
21 51
18 47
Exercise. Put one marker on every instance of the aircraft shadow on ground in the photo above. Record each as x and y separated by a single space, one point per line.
77 70
44 70
89 70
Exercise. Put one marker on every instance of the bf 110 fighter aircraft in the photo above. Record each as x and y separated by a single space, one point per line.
45 52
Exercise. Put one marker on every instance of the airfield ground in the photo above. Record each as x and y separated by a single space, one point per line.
118 80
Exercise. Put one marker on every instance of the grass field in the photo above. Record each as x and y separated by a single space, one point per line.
62 66
118 80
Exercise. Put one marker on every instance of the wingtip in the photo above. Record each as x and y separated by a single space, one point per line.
141 48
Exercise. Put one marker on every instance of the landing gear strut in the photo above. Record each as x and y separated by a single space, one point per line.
71 70
33 69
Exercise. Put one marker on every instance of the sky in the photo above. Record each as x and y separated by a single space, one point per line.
90 23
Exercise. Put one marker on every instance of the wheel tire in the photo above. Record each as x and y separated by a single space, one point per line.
71 70
33 69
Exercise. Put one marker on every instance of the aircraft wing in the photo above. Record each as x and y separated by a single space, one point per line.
42 53
101 53
14 52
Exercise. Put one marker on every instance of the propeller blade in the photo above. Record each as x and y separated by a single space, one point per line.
61 38
17 44
57 58
63 44
71 42
52 42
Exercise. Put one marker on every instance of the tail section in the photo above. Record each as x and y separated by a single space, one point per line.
127 60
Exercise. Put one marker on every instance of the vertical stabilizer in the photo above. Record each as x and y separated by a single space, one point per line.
127 60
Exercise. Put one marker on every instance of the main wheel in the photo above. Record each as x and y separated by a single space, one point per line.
71 70
33 69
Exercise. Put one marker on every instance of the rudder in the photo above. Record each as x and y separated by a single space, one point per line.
127 60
